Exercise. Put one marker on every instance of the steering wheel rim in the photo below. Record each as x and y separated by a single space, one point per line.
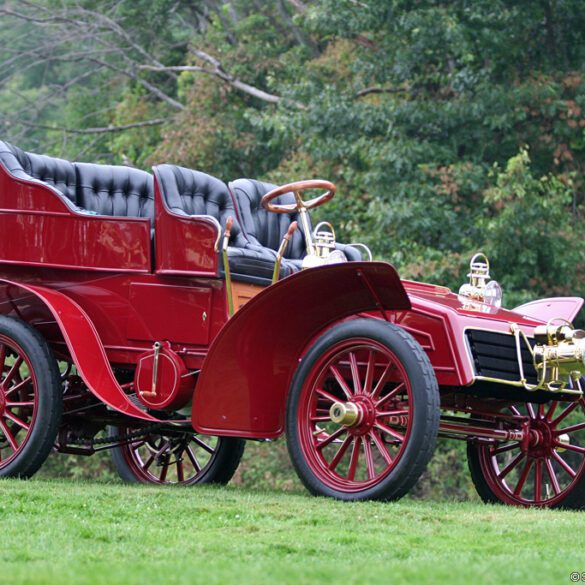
297 188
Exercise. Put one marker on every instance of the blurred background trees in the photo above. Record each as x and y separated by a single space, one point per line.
448 126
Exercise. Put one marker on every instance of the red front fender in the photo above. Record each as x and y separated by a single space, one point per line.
244 381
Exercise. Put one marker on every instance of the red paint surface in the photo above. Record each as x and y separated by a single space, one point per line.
45 231
244 382
184 244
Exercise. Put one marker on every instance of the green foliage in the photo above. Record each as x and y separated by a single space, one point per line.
529 233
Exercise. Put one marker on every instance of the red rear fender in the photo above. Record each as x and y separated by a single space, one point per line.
244 381
31 303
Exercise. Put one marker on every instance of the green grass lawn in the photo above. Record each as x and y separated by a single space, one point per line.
63 532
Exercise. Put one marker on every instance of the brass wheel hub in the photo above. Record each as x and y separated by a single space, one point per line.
358 416
345 413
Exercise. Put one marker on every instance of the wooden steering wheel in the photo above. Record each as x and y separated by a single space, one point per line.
297 188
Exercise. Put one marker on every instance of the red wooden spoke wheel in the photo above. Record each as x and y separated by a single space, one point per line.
549 471
30 399
182 458
363 412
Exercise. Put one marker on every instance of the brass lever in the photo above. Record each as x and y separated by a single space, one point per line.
157 346
282 249
226 266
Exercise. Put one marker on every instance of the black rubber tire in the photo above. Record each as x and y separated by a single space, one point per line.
50 398
219 470
426 409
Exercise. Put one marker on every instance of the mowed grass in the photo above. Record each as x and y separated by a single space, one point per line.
63 532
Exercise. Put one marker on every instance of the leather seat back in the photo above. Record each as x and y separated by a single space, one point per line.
115 190
262 227
101 189
56 172
189 192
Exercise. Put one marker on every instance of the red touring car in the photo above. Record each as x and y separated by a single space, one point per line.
170 317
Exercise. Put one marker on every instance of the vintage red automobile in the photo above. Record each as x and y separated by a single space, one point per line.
170 317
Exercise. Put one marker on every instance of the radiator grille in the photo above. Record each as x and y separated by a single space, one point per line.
494 356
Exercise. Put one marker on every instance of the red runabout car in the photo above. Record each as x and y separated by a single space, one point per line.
169 317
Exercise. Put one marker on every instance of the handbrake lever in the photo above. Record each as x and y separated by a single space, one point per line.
282 249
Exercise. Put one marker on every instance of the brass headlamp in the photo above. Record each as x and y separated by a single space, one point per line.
480 288
323 246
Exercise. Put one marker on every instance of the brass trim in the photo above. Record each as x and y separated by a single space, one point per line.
346 414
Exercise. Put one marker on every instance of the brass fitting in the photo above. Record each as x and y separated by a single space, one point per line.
346 414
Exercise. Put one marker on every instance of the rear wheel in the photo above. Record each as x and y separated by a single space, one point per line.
548 472
183 458
30 399
363 412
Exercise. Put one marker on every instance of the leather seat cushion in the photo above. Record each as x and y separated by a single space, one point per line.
256 264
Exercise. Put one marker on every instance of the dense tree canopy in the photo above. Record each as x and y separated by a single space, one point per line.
448 126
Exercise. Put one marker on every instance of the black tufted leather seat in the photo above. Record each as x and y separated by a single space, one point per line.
99 189
265 228
189 192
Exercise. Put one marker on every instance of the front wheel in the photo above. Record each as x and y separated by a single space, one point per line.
363 412
179 457
549 471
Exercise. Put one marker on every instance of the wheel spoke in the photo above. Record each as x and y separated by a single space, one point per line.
353 463
369 459
2 356
511 465
148 462
530 410
330 438
369 373
392 413
376 391
355 373
390 394
193 460
18 386
538 481
18 404
570 429
381 447
203 445
320 418
9 435
326 395
523 477
565 413
551 410
344 387
553 476
15 366
340 453
564 464
16 420
389 431
164 469
505 448
180 473
574 448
